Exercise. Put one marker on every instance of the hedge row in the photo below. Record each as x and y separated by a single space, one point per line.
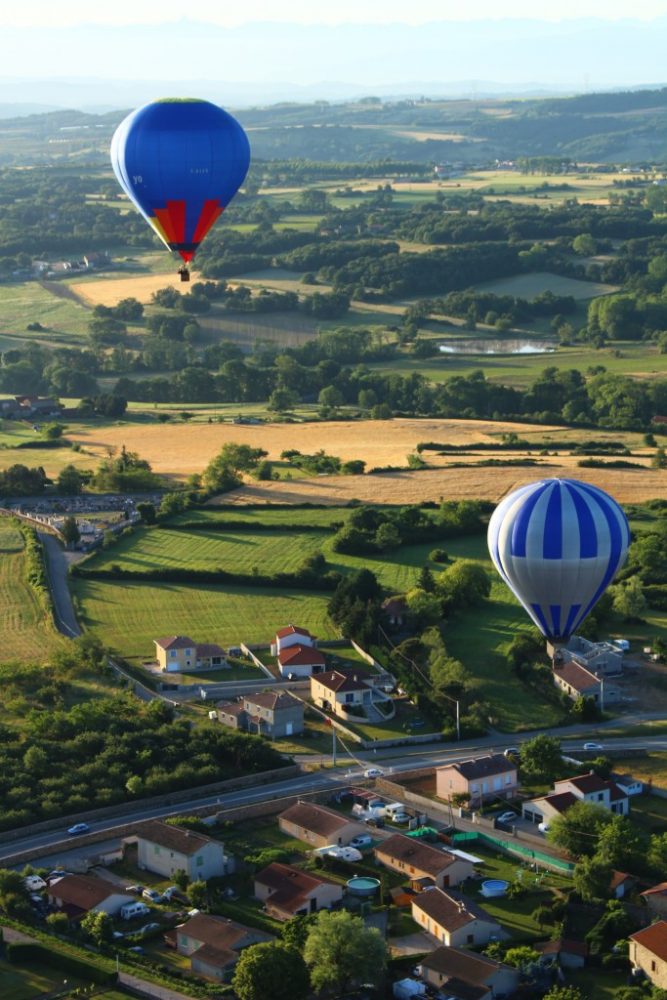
299 580
249 526
37 954
35 568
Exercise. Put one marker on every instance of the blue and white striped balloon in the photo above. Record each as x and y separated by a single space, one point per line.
558 544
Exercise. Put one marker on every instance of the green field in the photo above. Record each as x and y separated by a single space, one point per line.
26 633
527 286
27 302
18 983
128 616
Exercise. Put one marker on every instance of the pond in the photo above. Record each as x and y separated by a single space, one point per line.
498 346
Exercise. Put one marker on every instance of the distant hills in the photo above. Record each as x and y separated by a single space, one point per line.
622 127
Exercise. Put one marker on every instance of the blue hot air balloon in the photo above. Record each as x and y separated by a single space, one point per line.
180 162
558 544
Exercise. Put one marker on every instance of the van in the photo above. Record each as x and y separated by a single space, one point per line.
131 910
393 808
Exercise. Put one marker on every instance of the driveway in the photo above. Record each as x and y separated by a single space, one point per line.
412 944
58 562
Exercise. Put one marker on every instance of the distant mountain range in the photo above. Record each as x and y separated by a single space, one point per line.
95 67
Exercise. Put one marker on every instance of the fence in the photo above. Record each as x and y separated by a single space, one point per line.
512 847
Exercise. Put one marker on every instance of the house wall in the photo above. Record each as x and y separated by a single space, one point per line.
438 978
176 660
277 723
206 863
294 639
233 721
654 967
202 968
338 699
593 691
477 932
324 897
298 669
657 904
449 782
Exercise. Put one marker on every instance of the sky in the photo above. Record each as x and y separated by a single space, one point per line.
42 13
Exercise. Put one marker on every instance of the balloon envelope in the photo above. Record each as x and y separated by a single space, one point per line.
557 544
180 162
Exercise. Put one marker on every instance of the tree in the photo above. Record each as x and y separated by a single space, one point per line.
271 969
426 580
53 431
563 993
521 956
13 894
198 893
464 584
340 950
577 830
147 512
70 481
281 399
657 852
659 460
70 531
331 397
181 879
98 926
621 844
541 758
58 922
628 598
223 471
592 878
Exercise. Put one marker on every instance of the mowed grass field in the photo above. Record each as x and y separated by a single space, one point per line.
25 632
129 616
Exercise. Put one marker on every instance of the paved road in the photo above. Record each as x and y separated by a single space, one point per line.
54 841
58 562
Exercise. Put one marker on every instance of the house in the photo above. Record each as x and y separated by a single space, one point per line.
213 944
178 653
577 681
94 259
567 953
417 860
37 406
454 920
300 660
166 849
455 972
289 892
584 788
396 610
631 786
490 777
77 895
622 884
291 635
341 692
656 899
318 826
648 951
601 658
270 713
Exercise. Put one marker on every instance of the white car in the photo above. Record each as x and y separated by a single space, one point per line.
543 827
593 746
507 817
373 772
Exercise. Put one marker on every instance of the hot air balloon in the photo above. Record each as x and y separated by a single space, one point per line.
558 544
180 162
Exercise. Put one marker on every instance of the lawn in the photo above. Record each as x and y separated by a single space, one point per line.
18 983
596 984
27 633
28 302
649 811
128 616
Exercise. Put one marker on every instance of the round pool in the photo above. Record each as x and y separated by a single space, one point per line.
362 885
494 887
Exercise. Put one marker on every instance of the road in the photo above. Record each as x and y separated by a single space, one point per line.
58 562
54 840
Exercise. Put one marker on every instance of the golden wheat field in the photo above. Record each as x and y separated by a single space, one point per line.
181 449
627 486
109 291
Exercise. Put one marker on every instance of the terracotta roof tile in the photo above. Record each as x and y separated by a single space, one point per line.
318 819
654 938
415 854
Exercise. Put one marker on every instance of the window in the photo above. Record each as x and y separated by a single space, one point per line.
156 848
508 779
600 796
349 698
470 939
172 653
188 652
199 861
497 783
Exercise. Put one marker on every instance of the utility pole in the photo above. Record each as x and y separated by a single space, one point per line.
333 749
458 720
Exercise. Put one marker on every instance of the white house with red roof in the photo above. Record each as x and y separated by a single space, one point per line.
179 654
292 635
296 652
584 788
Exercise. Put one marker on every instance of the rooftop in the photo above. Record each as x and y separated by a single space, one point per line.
273 700
175 642
450 910
301 655
220 958
292 630
560 801
586 783
219 932
417 855
290 886
84 891
483 767
461 964
317 819
653 938
209 649
659 889
337 680
174 838
576 676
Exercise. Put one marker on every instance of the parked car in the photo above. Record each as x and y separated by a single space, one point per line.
169 893
148 929
137 948
507 817
363 840
512 752
400 818
373 772
137 889
78 828
543 827
151 894
593 746
34 883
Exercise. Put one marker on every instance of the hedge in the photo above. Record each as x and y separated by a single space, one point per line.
299 580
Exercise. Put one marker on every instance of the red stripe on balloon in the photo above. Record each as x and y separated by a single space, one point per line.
210 212
172 220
